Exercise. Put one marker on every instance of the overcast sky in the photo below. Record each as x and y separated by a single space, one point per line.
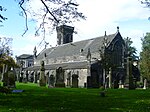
102 15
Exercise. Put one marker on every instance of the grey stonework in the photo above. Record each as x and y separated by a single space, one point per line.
72 58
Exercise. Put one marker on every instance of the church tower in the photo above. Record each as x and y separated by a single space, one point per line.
64 34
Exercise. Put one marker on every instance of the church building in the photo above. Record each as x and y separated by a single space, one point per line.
89 63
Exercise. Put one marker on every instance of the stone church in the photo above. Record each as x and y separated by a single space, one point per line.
89 63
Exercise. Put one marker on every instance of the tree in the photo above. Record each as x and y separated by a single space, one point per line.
2 18
5 46
50 13
145 57
6 61
146 3
131 50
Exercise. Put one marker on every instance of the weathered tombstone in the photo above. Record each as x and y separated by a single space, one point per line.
94 79
27 75
75 81
35 77
89 84
116 85
120 84
145 83
69 79
51 80
5 79
21 77
42 79
11 79
47 78
24 77
32 77
59 77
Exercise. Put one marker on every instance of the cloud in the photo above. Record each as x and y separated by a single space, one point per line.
102 15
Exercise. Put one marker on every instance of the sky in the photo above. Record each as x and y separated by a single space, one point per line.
102 15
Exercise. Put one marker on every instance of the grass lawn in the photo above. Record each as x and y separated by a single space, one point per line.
42 99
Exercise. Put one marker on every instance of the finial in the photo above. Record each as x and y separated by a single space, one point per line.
118 28
105 34
34 51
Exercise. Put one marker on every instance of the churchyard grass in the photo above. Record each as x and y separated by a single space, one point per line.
43 99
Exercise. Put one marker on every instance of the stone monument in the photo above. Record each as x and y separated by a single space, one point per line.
145 83
42 79
51 80
9 79
75 81
59 77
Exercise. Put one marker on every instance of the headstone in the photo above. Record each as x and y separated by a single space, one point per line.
94 79
35 77
89 84
75 81
5 79
42 79
24 77
27 76
47 78
69 79
9 79
116 85
32 77
59 77
51 80
21 77
121 84
145 83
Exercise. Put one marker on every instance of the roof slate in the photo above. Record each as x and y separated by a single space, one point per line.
25 56
74 48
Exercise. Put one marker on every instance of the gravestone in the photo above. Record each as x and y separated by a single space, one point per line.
35 77
94 79
116 84
12 79
5 79
9 79
75 81
51 80
145 83
42 79
32 77
24 77
59 77
69 79
27 76
21 77
89 83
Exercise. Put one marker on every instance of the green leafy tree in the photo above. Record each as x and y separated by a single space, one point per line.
130 50
145 57
6 61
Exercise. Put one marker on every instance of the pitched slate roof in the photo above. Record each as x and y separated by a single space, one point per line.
67 65
74 48
25 56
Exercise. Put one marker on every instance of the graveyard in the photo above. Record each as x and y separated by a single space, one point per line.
34 98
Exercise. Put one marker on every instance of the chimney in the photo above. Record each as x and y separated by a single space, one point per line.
64 34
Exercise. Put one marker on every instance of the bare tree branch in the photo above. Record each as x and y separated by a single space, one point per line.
49 11
42 25
26 16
